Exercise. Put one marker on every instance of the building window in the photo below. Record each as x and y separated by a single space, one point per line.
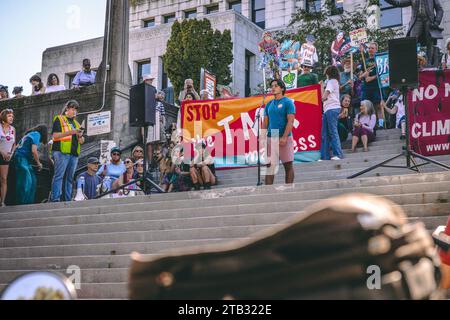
390 16
248 60
259 13
165 79
236 6
338 7
144 68
190 14
313 6
169 19
70 77
212 9
149 23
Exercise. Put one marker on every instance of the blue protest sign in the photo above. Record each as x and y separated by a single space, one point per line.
382 60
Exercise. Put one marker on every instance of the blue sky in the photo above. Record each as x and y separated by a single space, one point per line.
28 27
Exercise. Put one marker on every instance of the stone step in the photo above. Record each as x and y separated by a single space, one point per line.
175 229
87 275
334 169
336 175
96 207
123 261
254 198
212 211
108 249
364 161
205 228
98 291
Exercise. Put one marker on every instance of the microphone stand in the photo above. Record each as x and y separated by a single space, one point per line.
258 123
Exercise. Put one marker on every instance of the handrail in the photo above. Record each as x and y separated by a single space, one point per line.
119 188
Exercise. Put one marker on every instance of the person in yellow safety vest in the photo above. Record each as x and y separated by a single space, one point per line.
67 141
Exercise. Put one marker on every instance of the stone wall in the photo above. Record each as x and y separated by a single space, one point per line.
32 111
150 44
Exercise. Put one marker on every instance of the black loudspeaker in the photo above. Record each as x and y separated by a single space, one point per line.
403 69
142 105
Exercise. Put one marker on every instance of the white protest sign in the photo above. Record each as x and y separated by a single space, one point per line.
358 37
105 151
99 123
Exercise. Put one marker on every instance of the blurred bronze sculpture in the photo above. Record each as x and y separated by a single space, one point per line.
425 20
355 246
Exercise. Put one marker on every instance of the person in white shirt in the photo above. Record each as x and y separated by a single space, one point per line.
446 56
399 111
7 146
53 84
331 111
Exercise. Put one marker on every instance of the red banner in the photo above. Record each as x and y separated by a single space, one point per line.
227 126
429 114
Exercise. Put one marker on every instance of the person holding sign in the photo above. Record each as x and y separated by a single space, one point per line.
331 109
279 117
370 87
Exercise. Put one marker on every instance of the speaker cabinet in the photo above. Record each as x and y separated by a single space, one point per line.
142 105
403 69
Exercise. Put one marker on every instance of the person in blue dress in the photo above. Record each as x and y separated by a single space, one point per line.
27 151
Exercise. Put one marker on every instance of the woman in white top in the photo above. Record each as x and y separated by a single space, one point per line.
399 111
331 111
7 146
53 84
446 56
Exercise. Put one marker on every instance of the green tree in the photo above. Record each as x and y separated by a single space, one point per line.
193 45
324 27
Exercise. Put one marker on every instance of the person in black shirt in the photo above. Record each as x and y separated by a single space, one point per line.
67 141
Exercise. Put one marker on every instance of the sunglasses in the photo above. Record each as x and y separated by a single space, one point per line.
141 151
116 154
128 162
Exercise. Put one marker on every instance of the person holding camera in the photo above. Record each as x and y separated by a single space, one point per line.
67 141
26 151
188 88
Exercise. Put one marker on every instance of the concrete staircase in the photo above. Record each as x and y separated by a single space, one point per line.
98 236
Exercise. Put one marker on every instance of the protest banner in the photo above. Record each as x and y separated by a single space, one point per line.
429 114
227 126
382 61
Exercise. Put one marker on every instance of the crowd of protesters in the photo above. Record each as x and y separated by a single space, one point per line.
165 156
353 103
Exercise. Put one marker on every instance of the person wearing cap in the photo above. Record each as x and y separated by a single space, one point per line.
279 117
115 168
17 92
307 78
67 141
89 180
148 79
188 88
85 77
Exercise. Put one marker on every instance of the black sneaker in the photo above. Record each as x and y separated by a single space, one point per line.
402 137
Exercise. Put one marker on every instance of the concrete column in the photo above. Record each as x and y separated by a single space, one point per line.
116 43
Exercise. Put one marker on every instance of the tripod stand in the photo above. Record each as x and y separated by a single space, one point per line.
258 123
407 152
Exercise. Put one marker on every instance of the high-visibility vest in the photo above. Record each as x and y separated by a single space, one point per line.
66 142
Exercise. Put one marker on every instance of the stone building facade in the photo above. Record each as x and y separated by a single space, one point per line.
150 26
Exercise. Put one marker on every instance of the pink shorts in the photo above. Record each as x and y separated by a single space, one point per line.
277 153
